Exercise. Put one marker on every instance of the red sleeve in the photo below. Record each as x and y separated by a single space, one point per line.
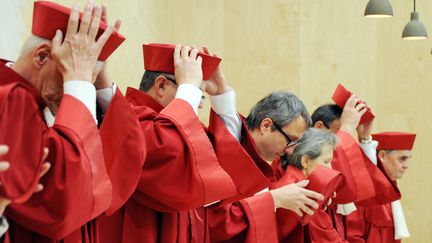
181 170
385 191
249 220
321 229
124 149
348 160
356 226
77 188
247 177
20 130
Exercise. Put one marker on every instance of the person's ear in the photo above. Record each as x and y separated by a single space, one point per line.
266 125
41 55
319 124
160 85
382 155
305 161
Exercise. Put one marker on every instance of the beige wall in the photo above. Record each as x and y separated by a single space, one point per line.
307 47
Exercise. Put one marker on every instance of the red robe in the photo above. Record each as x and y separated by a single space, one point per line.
348 158
181 174
372 224
373 220
230 222
77 188
20 105
291 228
251 218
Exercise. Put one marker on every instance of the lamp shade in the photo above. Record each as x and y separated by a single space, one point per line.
378 9
414 30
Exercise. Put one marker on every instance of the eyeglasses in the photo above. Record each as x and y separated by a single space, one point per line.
290 143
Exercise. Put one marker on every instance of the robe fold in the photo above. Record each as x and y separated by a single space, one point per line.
371 224
348 159
292 228
77 188
373 220
181 174
252 217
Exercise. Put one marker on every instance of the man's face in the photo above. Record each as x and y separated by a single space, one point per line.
274 143
49 81
395 162
333 126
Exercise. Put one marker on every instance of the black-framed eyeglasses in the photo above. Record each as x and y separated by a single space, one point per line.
290 141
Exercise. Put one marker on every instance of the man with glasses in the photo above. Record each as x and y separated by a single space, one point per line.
272 129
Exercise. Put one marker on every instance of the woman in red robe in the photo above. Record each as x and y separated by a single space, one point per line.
314 151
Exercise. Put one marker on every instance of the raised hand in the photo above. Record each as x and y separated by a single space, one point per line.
187 66
76 56
364 130
352 113
100 73
217 83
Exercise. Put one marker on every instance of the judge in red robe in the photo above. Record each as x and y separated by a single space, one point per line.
268 134
380 219
183 170
78 187
342 119
314 150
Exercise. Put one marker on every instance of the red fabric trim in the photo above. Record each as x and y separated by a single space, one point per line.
124 149
261 216
235 160
217 183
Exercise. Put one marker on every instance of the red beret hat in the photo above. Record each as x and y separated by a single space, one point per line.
48 17
394 140
325 181
160 58
322 180
340 97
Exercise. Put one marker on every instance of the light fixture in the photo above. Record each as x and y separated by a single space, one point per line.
414 30
378 9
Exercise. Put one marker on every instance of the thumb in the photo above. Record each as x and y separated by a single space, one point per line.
303 183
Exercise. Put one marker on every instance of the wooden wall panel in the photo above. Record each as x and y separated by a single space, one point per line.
303 46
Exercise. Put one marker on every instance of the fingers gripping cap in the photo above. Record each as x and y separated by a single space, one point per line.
340 97
159 58
48 17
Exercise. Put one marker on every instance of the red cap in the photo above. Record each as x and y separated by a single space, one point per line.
160 58
49 17
394 140
325 181
340 97
322 180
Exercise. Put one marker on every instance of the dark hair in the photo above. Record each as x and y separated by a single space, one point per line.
282 107
327 114
149 78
